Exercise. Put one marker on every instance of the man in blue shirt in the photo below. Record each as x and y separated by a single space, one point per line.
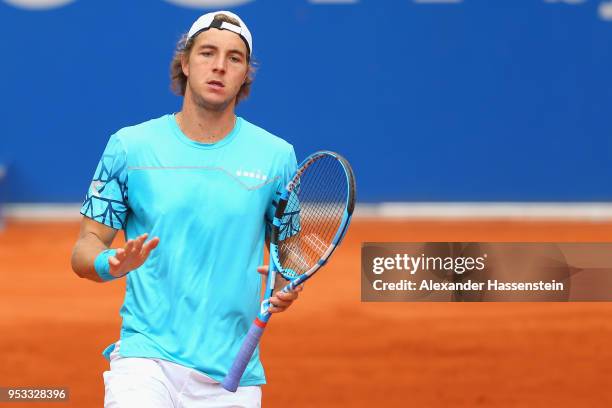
202 183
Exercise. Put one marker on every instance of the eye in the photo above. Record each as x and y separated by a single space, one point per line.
235 59
206 53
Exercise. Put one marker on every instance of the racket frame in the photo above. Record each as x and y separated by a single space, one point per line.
250 342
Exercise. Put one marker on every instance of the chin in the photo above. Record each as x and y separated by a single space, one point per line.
213 102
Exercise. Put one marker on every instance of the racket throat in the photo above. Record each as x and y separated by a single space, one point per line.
264 311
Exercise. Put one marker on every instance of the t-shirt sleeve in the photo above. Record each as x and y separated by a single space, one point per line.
287 171
107 198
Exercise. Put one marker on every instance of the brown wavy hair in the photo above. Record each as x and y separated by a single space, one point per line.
178 79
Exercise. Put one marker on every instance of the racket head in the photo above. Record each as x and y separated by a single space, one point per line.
312 215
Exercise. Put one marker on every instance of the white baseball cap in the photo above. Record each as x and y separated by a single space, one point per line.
207 21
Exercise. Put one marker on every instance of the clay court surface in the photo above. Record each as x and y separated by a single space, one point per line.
53 327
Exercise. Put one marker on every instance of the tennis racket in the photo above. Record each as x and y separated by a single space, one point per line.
311 218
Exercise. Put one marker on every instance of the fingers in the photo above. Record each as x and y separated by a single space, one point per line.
148 246
136 246
113 261
132 255
277 309
115 264
281 300
137 243
287 296
119 254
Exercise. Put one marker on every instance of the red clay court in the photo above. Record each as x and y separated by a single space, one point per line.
352 354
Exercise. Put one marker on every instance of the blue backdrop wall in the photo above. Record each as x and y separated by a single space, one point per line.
475 100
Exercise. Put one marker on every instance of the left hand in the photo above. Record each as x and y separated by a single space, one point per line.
280 301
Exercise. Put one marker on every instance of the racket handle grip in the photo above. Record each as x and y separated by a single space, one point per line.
232 379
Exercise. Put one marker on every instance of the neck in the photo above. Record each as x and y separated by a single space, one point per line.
204 124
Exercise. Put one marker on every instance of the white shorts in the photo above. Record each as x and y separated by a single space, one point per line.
154 383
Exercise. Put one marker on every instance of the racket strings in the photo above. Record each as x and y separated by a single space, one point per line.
314 213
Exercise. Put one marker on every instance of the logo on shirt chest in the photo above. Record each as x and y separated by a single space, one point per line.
257 175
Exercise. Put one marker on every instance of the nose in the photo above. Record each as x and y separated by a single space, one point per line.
219 64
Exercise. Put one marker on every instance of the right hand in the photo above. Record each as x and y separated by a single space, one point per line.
133 254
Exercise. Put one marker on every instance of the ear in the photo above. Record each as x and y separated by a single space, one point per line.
185 64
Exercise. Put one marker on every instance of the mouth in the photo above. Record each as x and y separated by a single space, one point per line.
216 84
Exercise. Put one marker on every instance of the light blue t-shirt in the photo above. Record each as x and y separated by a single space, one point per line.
193 300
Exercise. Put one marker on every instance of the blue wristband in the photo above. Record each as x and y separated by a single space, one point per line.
102 266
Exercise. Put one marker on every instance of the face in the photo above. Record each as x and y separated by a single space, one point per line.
216 69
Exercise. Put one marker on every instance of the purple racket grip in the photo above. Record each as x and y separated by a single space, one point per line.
232 379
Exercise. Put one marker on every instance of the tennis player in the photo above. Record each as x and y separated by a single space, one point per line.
194 192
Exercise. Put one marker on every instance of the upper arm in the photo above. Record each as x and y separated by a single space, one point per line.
106 200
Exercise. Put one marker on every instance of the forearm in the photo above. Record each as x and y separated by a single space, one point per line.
84 254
